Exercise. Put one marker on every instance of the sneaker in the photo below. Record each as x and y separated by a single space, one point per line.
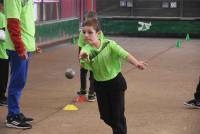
82 92
25 119
17 122
91 97
3 102
192 104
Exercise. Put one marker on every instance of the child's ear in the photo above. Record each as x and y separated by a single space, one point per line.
98 33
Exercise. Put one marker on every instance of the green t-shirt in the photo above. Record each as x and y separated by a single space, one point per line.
107 63
81 41
23 10
3 54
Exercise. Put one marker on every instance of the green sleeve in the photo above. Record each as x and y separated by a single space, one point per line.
85 64
118 50
2 21
13 8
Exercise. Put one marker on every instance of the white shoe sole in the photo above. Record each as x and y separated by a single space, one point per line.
91 100
3 105
191 106
18 127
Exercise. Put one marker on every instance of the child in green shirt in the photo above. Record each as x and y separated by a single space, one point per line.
103 58
84 71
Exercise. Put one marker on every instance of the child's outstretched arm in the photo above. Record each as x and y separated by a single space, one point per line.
139 64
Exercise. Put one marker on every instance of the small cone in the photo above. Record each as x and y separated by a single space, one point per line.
178 44
187 38
70 107
80 98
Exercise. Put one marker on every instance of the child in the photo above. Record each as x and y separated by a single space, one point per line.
195 103
104 57
83 71
4 64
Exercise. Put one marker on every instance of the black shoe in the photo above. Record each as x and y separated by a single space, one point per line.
17 122
91 97
193 104
82 92
25 119
3 102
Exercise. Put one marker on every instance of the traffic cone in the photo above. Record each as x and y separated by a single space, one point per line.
178 44
80 98
187 38
70 107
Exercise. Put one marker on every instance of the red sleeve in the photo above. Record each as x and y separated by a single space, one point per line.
13 26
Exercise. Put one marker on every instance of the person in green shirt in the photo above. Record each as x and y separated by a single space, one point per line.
20 44
83 72
4 65
103 58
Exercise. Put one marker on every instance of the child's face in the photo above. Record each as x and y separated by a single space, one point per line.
90 34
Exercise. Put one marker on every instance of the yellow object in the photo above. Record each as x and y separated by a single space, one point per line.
70 107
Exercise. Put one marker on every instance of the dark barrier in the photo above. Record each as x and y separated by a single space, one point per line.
55 31
150 27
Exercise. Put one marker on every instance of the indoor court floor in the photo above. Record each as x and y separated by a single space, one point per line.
154 98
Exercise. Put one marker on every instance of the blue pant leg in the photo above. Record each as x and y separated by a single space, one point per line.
18 77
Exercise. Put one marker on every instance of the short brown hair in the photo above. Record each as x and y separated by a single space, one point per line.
93 23
91 15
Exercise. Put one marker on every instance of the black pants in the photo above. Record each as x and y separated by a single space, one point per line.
83 79
197 93
111 103
4 70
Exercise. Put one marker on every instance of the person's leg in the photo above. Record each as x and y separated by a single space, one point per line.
197 93
83 78
91 89
91 95
18 77
194 103
104 106
4 71
117 99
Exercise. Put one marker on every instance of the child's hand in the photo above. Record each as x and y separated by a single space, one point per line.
83 55
38 50
141 65
23 55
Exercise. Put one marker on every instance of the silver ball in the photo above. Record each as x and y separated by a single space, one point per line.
69 73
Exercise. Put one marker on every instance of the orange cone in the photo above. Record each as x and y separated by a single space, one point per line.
80 98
